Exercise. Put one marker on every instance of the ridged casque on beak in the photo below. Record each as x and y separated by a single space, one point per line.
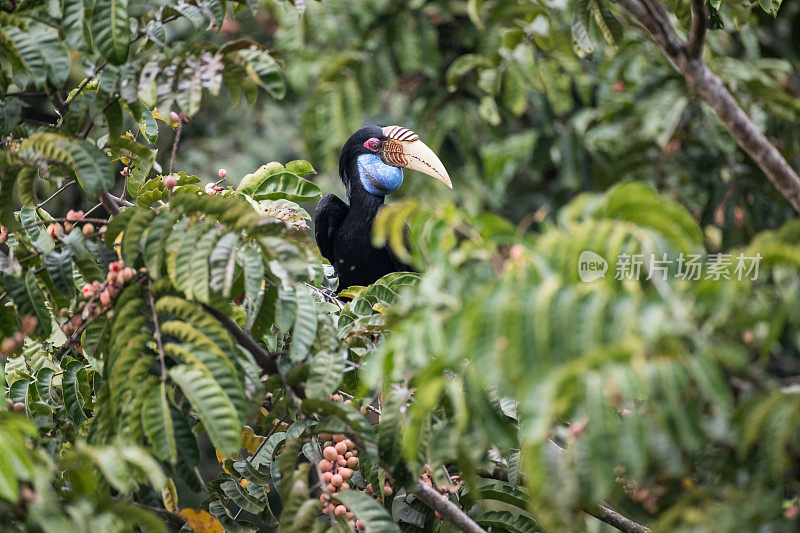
402 148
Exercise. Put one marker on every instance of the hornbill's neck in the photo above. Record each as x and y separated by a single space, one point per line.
362 203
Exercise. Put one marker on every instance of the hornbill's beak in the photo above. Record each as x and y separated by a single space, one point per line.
402 148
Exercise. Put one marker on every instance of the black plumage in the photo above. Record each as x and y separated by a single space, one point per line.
344 232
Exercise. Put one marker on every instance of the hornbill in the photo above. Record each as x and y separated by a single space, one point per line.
371 167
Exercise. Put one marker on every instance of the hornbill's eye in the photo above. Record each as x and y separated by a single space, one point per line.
373 144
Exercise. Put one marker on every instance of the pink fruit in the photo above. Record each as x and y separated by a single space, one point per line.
337 480
340 510
330 453
341 448
338 438
170 182
352 462
222 173
325 466
346 473
326 477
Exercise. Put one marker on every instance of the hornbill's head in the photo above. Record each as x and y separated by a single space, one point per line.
373 158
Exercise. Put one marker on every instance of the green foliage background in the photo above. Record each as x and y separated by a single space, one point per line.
205 383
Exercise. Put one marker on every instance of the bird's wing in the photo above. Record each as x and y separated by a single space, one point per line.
328 216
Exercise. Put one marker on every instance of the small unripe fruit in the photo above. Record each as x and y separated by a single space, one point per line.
352 462
348 402
337 480
19 407
170 182
105 298
103 229
387 490
8 345
128 273
88 229
326 477
174 117
96 285
340 510
222 173
338 438
68 227
341 461
359 524
9 403
325 466
349 515
330 453
87 291
324 498
3 237
330 488
344 486
341 448
326 510
350 444
29 324
346 473
364 410
19 338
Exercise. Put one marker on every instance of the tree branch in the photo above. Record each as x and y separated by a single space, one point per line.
650 14
264 359
613 518
108 203
449 511
699 26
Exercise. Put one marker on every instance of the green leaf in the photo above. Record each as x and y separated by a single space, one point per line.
223 263
75 389
29 300
305 324
215 409
265 71
325 373
253 268
73 22
86 264
157 423
59 266
111 30
369 511
507 521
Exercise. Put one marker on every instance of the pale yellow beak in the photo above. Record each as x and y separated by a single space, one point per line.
402 148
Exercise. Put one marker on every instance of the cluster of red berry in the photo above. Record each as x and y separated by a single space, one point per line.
13 343
3 234
73 218
102 292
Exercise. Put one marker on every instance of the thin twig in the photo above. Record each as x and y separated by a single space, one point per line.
175 146
699 25
63 187
157 334
62 219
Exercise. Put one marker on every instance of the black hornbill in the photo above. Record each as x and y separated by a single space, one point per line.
371 167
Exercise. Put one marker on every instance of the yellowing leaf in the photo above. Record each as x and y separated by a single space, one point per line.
169 495
251 441
162 119
201 521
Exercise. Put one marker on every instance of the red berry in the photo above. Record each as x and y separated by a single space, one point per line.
88 229
170 182
352 462
341 448
337 480
341 461
326 477
222 173
330 488
338 438
325 466
346 473
340 510
344 486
